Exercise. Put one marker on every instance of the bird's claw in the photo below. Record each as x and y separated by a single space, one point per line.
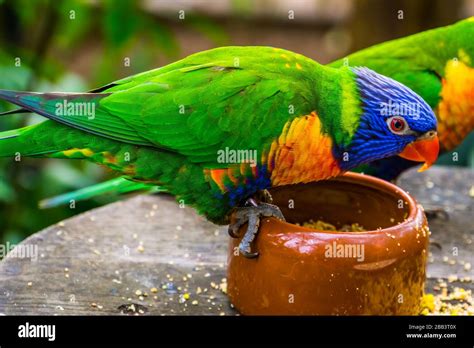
251 215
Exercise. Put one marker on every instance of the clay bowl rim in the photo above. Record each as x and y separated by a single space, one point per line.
415 211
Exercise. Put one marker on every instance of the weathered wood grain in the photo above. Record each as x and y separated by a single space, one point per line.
97 263
94 263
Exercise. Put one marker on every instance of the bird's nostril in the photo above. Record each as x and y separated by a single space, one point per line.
428 135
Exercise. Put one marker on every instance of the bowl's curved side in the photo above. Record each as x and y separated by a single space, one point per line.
305 272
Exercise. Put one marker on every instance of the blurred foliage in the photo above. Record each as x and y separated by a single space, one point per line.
40 41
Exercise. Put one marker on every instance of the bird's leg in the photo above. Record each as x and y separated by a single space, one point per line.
251 213
264 196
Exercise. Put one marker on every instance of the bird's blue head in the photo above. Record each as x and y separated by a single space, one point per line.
394 121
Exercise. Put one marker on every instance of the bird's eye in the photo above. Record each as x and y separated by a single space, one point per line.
397 125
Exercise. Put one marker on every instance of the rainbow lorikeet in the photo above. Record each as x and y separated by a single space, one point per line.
221 126
437 64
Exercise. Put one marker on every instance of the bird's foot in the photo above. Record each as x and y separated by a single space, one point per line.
251 214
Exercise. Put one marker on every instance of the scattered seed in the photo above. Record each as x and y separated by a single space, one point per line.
223 287
457 301
452 278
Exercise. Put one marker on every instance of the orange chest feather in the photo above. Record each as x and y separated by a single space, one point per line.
302 153
456 108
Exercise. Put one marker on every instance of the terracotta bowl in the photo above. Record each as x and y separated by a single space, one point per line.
301 271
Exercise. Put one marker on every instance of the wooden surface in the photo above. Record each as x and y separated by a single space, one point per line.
100 262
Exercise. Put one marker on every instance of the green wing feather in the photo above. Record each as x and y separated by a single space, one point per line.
418 61
228 97
120 185
172 121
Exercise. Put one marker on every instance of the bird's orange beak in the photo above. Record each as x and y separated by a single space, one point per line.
424 150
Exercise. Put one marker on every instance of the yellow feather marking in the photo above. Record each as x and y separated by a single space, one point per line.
287 65
69 153
298 66
284 56
464 57
129 170
109 158
456 109
302 153
85 152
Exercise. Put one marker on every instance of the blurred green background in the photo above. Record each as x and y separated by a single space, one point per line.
74 45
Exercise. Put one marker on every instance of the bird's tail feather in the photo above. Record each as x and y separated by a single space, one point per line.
16 111
119 185
20 141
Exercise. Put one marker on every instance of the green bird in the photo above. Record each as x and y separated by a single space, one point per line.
218 128
437 64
